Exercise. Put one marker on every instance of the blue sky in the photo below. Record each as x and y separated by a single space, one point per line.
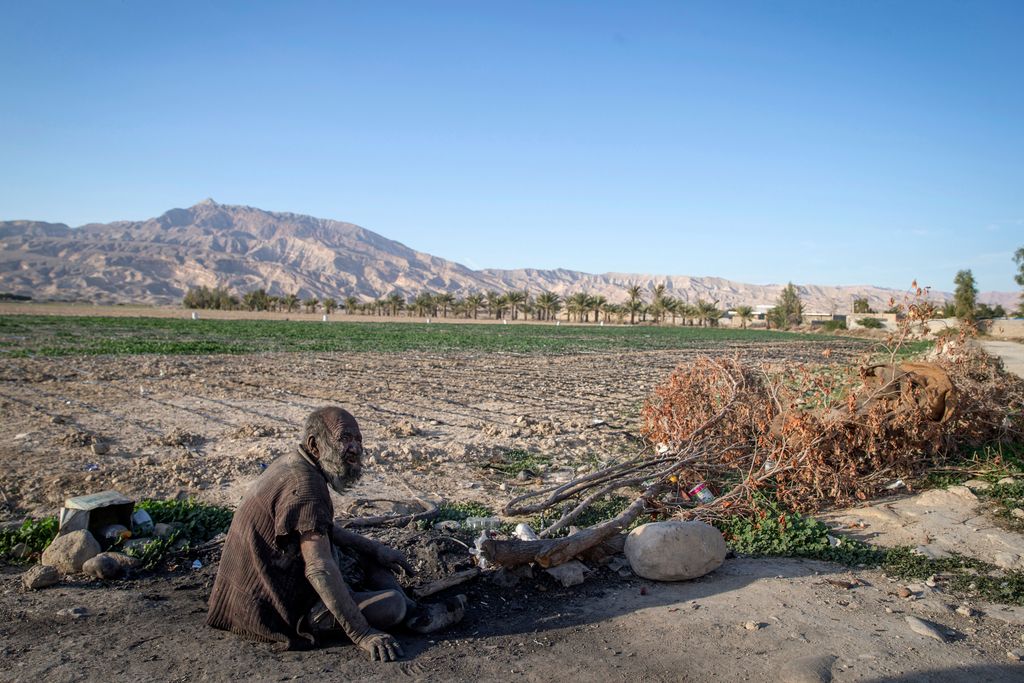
820 142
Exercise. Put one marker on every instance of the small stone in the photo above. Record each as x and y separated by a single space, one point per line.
966 611
100 448
904 592
73 612
19 551
930 581
569 574
752 626
888 610
1017 513
1007 481
40 576
926 628
70 551
525 475
977 484
1015 655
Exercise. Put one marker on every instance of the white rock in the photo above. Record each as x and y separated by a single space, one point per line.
569 574
926 628
525 533
675 550
70 551
1007 481
977 485
1007 560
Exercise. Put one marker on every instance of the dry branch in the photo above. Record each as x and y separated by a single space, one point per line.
428 511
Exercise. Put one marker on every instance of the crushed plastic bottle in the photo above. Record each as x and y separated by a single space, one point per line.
482 523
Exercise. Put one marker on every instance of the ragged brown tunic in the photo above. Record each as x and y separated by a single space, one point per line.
261 590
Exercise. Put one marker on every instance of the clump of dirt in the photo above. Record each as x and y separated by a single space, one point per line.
252 430
179 437
402 428
78 438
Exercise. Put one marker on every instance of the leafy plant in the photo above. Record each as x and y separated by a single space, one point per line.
871 323
36 534
515 461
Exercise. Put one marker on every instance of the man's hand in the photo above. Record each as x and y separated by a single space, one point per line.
394 560
380 646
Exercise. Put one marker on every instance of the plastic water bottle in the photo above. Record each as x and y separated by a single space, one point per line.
485 523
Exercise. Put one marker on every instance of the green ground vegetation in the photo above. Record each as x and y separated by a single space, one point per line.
194 523
75 336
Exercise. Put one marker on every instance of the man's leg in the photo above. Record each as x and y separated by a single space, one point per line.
382 610
422 618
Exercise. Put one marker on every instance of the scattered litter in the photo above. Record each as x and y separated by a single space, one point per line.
196 564
91 467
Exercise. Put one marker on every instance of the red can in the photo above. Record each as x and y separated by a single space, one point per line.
702 493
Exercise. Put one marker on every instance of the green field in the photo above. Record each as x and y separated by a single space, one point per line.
22 336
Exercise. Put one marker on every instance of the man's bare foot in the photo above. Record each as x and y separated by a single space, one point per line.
436 616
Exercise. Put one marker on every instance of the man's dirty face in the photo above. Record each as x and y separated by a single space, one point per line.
342 457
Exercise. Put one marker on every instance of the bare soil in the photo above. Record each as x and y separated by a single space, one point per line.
205 426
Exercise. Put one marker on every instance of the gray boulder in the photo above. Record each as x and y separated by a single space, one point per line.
109 565
69 552
675 550
40 576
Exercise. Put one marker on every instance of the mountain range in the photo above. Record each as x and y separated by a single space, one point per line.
243 248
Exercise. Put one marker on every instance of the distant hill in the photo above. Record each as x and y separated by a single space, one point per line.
243 248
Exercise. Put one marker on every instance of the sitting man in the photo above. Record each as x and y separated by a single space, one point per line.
281 572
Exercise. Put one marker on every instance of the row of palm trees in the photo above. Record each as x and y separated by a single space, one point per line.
548 306
513 305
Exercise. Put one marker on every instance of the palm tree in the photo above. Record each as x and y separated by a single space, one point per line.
351 303
579 304
672 306
707 311
548 303
515 300
495 303
424 304
310 304
473 303
744 313
634 303
394 303
291 302
444 300
329 304
597 304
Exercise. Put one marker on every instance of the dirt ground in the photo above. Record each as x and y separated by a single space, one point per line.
206 426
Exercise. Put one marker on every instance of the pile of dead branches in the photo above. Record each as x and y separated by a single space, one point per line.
811 436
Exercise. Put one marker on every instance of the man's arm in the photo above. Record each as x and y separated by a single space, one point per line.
383 554
323 573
